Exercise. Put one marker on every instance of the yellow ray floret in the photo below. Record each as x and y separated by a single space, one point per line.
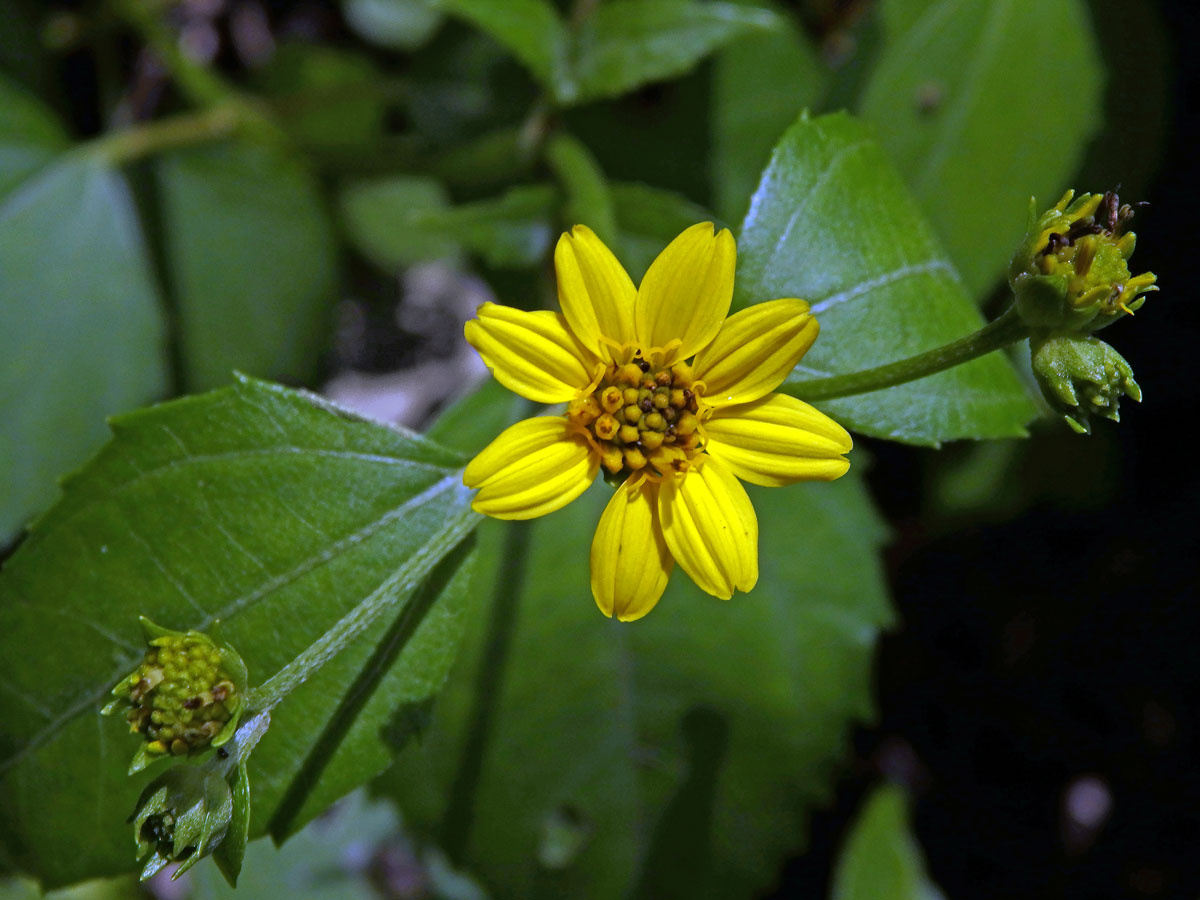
666 395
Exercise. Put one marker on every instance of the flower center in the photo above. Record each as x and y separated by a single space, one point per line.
643 419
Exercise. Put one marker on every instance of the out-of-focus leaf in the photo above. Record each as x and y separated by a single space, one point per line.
673 757
30 135
325 96
399 220
108 889
22 50
832 223
251 261
761 82
400 24
587 199
529 29
81 331
264 510
383 219
881 858
619 46
627 43
647 220
982 103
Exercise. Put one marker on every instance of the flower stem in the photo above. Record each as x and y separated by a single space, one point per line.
184 130
489 678
398 588
1007 329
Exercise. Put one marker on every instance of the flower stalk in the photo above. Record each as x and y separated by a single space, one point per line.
1001 332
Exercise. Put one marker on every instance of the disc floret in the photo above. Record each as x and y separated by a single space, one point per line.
643 418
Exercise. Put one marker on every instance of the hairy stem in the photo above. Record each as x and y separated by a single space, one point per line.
1001 332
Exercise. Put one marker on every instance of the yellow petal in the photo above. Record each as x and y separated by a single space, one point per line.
687 290
630 560
778 440
754 351
532 354
532 468
710 528
594 290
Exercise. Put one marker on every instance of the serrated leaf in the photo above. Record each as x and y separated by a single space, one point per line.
251 260
959 100
761 82
677 752
627 43
881 858
647 220
262 515
398 220
832 223
81 331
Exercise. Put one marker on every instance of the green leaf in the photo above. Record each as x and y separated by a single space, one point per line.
251 260
398 220
647 220
399 24
619 46
30 135
761 82
832 223
81 331
326 97
982 103
529 29
677 752
587 198
263 515
627 43
881 858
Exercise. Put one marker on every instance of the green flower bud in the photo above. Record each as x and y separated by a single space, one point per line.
1071 271
186 695
1081 377
182 816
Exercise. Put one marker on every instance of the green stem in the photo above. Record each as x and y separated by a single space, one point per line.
1001 332
398 588
489 680
200 83
184 130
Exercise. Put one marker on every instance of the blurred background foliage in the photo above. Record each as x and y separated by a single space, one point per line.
319 192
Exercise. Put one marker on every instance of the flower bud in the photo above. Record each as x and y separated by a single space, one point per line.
1081 377
182 816
1071 272
186 695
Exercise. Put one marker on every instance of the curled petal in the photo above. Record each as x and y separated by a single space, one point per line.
532 468
630 559
778 440
754 351
533 354
687 290
710 528
594 290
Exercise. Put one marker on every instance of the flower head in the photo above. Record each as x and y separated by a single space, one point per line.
1082 377
671 399
1072 270
184 697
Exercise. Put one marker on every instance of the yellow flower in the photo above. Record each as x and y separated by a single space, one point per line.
667 395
